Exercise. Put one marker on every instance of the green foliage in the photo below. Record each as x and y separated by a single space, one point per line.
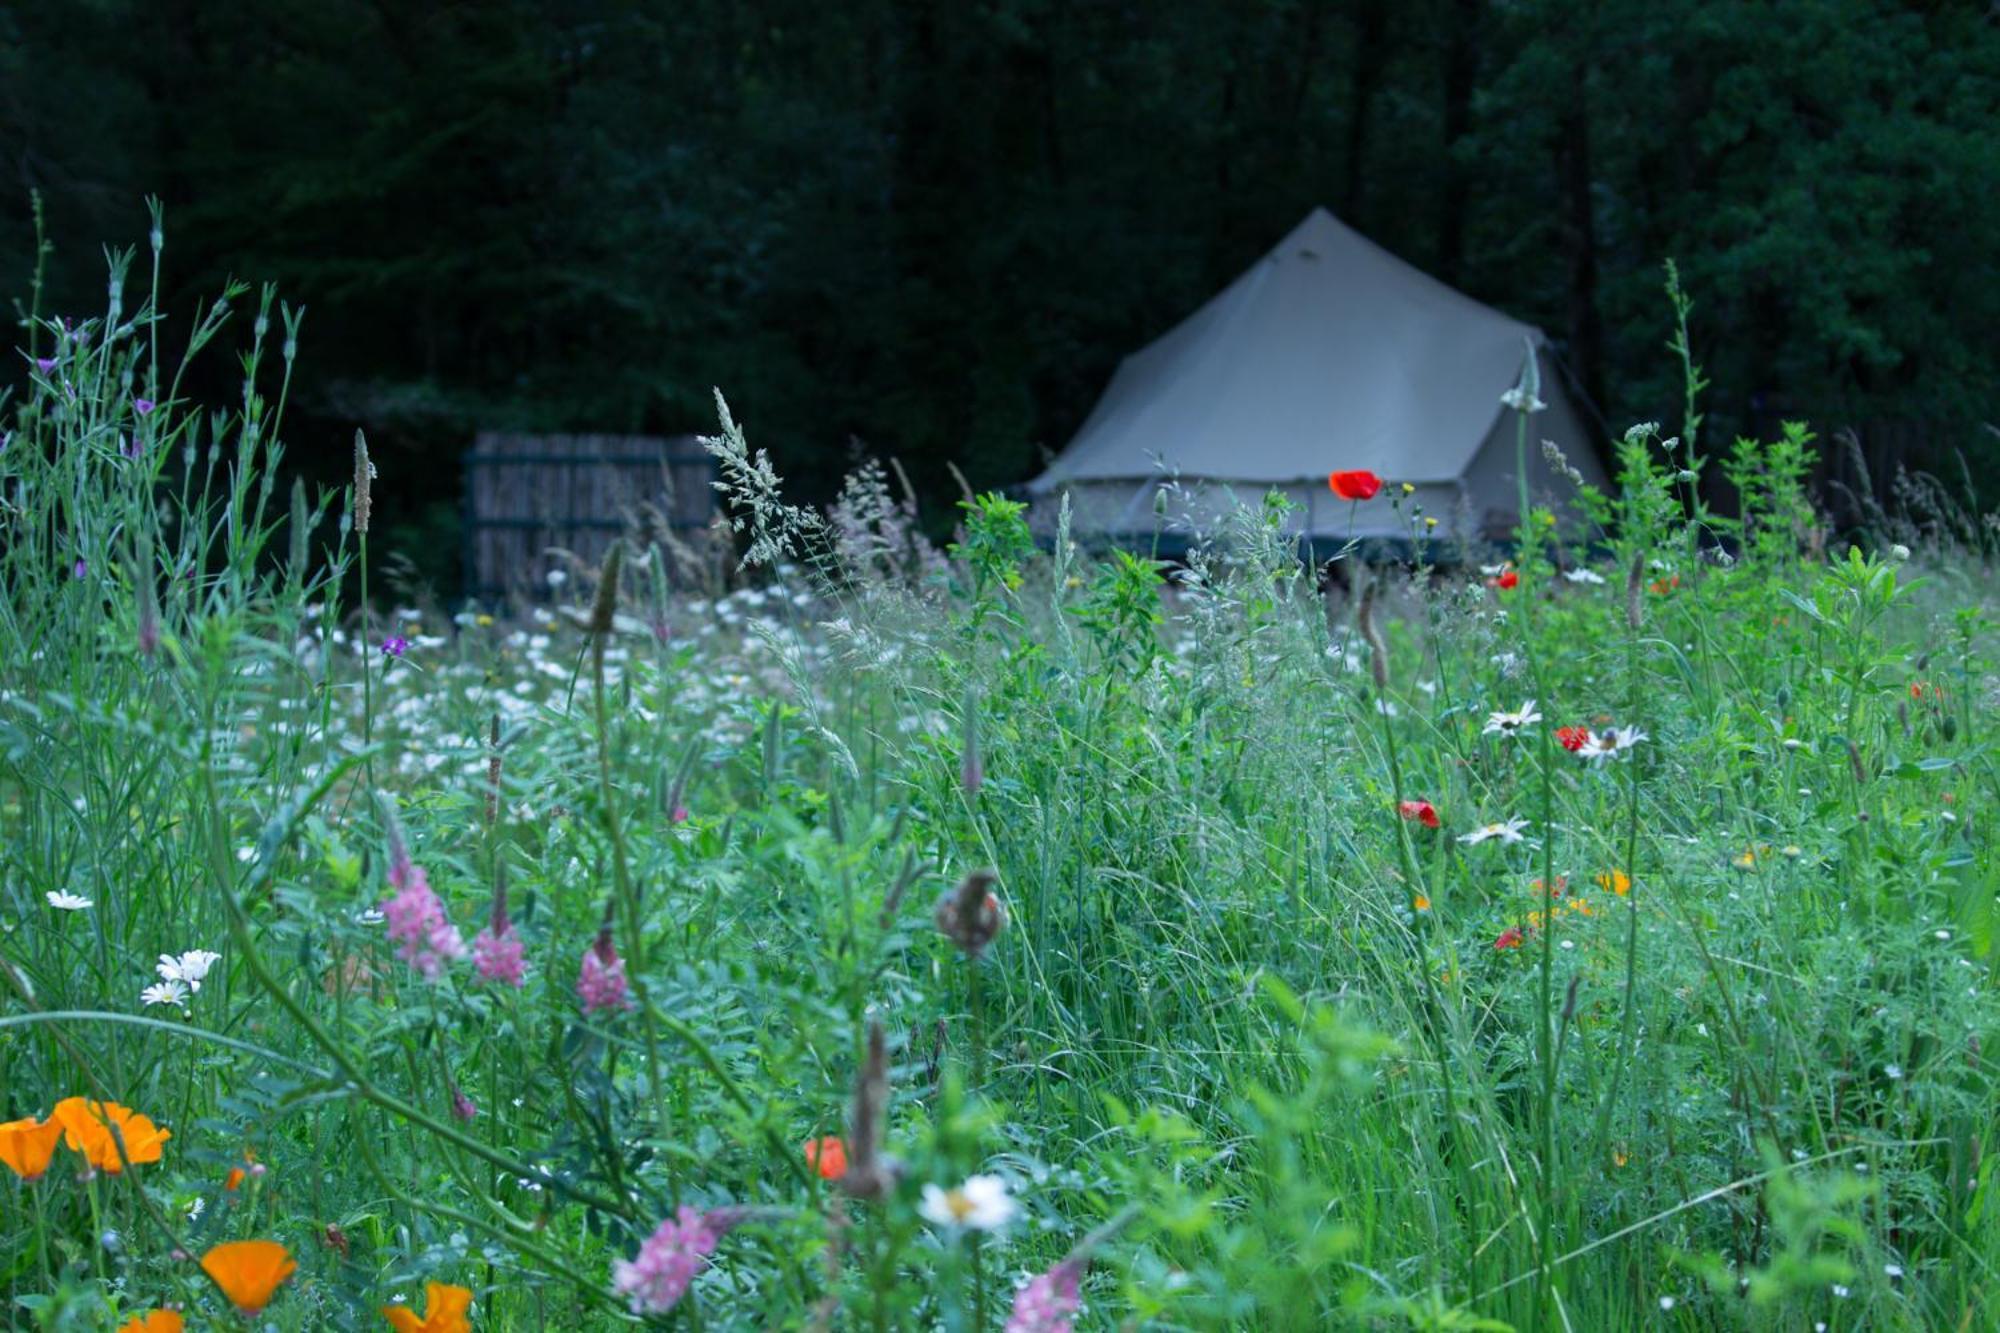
1248 1046
939 228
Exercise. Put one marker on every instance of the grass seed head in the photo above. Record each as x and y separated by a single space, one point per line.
364 477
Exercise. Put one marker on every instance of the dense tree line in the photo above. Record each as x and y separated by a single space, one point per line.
933 227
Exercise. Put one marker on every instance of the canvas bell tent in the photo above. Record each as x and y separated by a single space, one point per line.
1328 354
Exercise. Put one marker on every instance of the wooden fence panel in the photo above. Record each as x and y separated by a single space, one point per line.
528 494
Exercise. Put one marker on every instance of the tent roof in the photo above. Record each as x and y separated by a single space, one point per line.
1327 353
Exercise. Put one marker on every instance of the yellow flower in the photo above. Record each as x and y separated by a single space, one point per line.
1422 904
249 1272
1408 489
1618 1156
1617 881
1746 859
1430 522
444 1311
27 1145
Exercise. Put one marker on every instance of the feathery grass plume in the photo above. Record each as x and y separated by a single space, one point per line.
1371 630
749 483
871 1173
1635 590
971 915
364 475
1559 463
1854 763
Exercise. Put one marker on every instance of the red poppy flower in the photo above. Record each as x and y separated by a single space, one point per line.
1362 485
1573 738
1422 811
1506 579
828 1156
1510 938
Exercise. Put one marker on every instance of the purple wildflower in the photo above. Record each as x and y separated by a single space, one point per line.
45 364
395 646
1048 1302
461 1105
130 446
142 405
601 982
654 1281
499 955
426 938
80 568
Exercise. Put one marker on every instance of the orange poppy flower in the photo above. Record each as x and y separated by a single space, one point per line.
444 1311
249 1272
27 1145
1617 881
159 1321
828 1156
236 1173
88 1128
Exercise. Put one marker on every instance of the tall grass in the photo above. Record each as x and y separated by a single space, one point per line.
1252 1050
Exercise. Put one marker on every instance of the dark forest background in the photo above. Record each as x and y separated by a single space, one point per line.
931 229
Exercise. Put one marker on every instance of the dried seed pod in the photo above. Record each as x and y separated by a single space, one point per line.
971 915
605 606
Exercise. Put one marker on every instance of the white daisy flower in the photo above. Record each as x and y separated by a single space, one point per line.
1611 743
1582 575
166 992
1506 724
1508 832
191 967
981 1204
67 902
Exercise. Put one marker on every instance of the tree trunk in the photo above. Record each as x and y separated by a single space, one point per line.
1461 75
1370 51
1578 231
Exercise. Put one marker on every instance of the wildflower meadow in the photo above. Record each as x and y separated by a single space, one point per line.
824 926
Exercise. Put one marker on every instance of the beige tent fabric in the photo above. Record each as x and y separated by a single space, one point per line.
1328 353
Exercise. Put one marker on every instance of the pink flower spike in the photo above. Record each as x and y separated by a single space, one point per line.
1048 1302
654 1280
500 956
601 982
425 937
